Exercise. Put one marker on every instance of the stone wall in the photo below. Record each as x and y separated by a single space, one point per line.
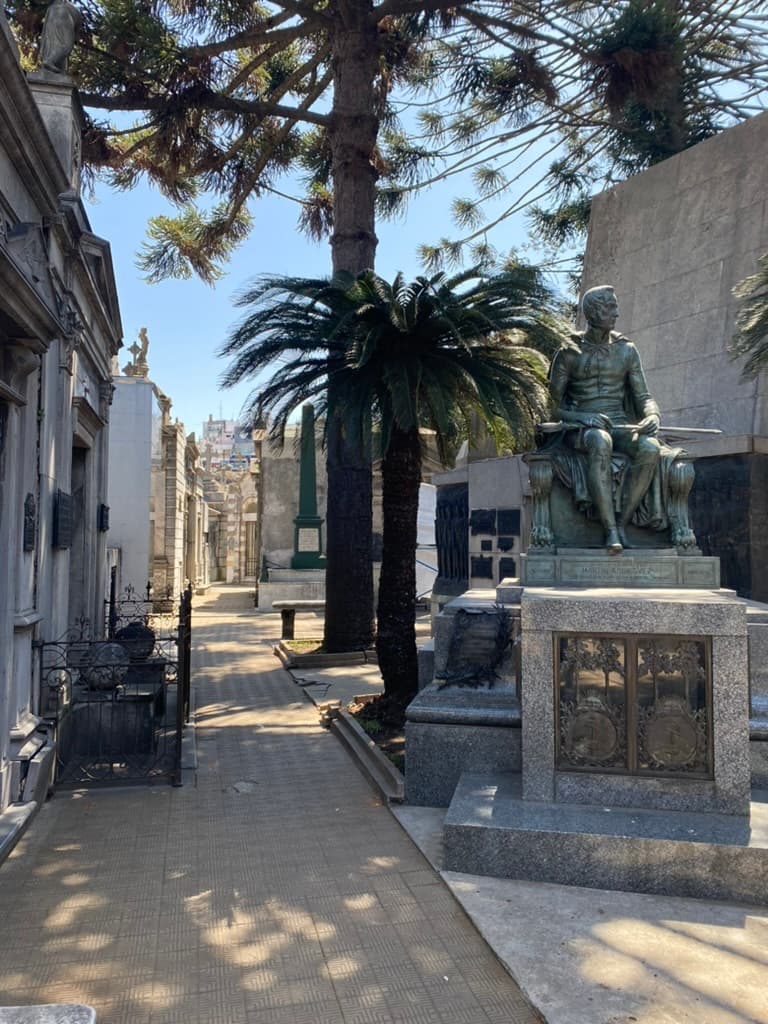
130 456
674 241
279 473
497 493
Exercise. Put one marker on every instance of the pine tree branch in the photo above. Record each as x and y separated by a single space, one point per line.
266 33
206 100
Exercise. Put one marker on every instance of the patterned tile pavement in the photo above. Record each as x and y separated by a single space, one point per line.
275 890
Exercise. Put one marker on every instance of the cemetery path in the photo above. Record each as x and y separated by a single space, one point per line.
276 889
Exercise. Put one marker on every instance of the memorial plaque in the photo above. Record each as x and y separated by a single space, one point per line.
701 572
590 737
620 571
671 736
62 520
539 570
507 568
505 543
30 522
308 540
486 545
508 521
479 644
639 705
482 520
480 567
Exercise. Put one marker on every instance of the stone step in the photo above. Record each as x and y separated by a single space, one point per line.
490 830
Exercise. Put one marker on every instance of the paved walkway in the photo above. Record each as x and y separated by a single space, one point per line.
277 890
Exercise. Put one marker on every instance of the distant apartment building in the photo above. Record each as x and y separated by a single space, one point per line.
225 443
231 471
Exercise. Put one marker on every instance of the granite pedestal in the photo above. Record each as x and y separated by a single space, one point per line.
717 616
468 717
454 730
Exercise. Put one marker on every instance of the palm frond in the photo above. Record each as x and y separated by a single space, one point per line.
430 352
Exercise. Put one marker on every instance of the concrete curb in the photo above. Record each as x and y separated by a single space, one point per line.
373 763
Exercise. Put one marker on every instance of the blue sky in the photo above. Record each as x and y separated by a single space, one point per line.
187 320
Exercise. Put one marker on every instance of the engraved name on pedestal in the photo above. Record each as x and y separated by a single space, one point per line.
308 540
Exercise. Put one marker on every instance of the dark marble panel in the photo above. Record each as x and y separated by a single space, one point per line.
508 521
482 520
486 545
720 508
482 568
452 531
507 568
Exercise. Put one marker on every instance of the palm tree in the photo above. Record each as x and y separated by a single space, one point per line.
751 336
403 356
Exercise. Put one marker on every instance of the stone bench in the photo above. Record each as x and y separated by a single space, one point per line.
288 611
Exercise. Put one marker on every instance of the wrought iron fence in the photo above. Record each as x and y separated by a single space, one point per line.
119 704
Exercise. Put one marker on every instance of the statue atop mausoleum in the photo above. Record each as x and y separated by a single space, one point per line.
61 26
606 449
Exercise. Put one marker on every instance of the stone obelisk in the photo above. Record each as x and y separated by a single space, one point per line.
307 537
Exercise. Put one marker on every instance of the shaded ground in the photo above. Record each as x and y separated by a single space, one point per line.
277 890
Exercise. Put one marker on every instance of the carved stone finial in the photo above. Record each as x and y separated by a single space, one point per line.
61 27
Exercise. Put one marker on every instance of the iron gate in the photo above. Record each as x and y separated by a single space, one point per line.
120 704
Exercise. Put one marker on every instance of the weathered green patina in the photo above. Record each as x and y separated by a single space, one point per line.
604 447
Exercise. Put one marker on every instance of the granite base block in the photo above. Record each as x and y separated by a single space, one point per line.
426 660
758 757
438 755
490 830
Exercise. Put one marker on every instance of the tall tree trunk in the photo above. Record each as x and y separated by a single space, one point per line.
349 571
396 631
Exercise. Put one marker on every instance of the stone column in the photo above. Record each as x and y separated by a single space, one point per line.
17 363
62 114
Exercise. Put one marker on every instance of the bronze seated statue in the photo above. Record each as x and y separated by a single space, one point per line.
601 475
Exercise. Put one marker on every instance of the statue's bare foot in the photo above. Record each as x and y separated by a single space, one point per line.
613 543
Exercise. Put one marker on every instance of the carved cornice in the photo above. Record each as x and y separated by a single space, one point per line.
17 361
86 422
30 304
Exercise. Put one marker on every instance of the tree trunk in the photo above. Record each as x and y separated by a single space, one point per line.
352 137
396 631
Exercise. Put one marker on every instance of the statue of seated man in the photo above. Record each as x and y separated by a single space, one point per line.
601 399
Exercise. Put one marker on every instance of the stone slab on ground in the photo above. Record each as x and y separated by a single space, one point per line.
48 1013
14 819
589 956
595 956
490 830
341 683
